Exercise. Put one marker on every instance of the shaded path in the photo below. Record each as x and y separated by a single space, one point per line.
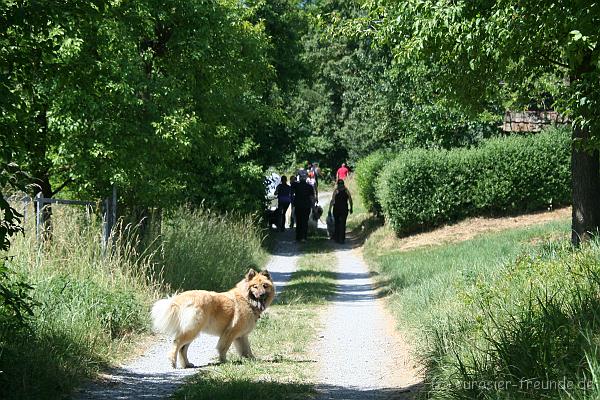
360 355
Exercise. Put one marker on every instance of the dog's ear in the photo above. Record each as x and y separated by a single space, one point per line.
250 274
266 274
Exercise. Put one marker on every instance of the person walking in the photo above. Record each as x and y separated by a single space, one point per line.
304 199
342 172
317 174
284 198
293 184
339 201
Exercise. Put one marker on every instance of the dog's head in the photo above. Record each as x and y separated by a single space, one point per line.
261 290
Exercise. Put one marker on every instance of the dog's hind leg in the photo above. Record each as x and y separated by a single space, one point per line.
173 354
181 343
242 345
183 354
180 347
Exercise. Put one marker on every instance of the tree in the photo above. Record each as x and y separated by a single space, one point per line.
491 48
356 98
157 97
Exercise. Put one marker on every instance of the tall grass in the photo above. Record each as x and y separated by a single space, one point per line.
535 327
201 249
92 309
88 307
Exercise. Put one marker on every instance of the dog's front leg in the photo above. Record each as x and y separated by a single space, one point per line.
242 345
224 344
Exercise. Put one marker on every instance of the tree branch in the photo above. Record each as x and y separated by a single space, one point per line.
61 187
551 61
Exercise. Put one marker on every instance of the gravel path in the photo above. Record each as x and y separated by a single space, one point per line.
360 355
151 376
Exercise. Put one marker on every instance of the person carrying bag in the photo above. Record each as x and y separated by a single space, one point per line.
340 201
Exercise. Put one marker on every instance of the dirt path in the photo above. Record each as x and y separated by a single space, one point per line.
360 355
151 376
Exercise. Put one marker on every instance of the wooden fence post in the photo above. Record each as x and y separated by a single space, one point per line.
109 219
38 216
25 202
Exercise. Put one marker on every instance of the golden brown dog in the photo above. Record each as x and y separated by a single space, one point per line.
230 315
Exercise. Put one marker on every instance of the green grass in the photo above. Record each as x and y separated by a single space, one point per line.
426 284
93 309
281 341
89 308
507 315
201 249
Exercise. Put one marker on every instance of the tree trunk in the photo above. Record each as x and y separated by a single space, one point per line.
585 167
585 162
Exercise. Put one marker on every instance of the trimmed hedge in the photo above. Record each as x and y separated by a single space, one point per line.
366 173
421 189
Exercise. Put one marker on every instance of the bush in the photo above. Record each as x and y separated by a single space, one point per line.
420 189
366 173
209 251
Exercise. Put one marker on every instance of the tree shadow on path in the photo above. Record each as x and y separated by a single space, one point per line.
330 392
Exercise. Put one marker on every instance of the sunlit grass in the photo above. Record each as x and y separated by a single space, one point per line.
517 308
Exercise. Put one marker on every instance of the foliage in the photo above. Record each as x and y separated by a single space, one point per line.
10 222
16 303
509 52
158 98
202 249
522 45
424 188
366 174
356 99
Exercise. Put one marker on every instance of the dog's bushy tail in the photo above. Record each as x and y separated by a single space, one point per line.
165 317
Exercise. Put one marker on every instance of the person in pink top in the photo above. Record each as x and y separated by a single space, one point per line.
342 172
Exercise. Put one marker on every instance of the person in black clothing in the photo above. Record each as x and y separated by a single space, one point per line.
284 198
293 184
304 199
339 201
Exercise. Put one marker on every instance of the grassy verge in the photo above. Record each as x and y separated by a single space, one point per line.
201 249
281 340
507 315
93 309
427 285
